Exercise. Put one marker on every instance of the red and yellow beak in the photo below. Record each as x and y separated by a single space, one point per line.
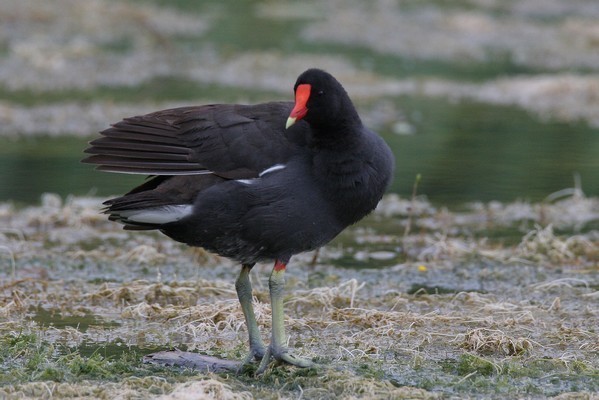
302 94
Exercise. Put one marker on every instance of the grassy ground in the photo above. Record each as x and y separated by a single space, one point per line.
496 301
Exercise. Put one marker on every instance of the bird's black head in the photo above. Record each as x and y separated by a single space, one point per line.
321 101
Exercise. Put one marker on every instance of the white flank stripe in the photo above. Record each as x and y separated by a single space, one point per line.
159 215
274 168
246 181
268 170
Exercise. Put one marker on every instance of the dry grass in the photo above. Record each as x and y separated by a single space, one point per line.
458 314
205 389
148 387
495 341
542 245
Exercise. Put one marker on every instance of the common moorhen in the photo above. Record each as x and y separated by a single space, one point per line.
241 182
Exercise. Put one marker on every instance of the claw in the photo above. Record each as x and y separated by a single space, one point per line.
254 354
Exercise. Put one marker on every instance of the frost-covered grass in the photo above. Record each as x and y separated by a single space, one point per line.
488 301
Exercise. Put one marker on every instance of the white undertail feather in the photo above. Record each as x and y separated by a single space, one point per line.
158 215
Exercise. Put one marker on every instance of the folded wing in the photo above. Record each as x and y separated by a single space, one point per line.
231 141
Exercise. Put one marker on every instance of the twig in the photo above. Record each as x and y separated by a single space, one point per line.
411 210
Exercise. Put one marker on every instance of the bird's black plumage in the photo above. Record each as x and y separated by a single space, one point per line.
233 180
333 171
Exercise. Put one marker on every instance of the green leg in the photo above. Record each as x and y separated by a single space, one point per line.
244 293
278 349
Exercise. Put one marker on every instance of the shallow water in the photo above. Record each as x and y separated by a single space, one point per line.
465 152
80 321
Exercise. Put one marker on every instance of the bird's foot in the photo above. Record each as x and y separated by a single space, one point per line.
282 354
255 354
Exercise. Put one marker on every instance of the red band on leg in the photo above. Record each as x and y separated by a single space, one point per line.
279 266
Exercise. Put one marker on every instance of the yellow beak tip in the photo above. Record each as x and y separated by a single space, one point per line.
290 121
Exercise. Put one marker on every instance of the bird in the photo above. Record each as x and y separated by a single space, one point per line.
253 183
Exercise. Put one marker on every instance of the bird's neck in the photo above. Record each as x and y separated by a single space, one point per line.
338 133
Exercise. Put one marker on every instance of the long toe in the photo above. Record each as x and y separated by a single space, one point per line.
292 359
283 355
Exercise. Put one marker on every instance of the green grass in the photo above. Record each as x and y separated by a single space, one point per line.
25 357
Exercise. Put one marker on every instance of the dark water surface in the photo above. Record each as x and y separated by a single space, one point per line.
464 152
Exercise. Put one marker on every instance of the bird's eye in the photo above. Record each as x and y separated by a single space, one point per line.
320 92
